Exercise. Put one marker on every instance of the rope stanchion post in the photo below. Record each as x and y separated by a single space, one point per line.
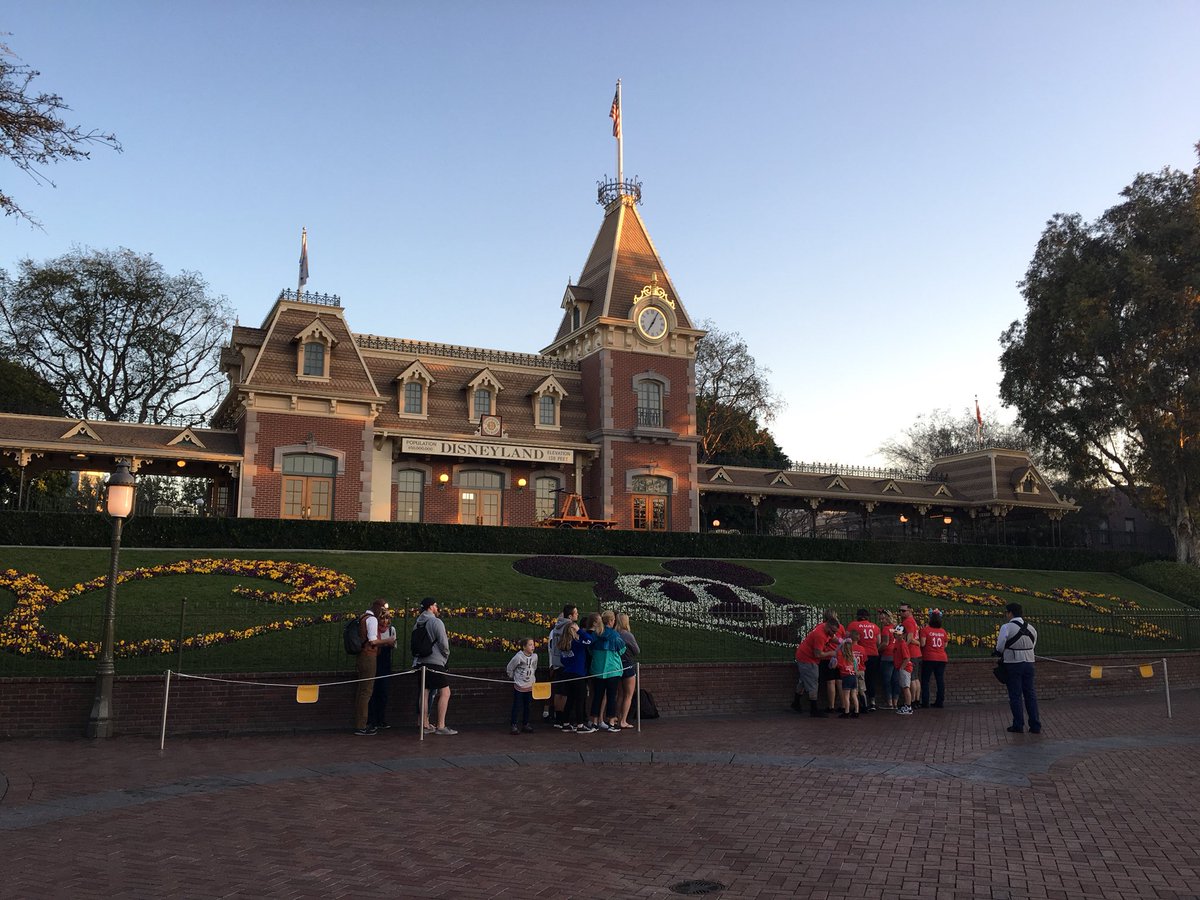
1167 687
637 693
162 738
423 707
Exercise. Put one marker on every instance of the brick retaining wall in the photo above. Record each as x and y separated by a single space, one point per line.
59 707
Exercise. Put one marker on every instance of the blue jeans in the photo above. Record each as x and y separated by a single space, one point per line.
520 706
1020 688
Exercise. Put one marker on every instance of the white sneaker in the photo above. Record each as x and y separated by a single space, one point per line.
904 711
444 731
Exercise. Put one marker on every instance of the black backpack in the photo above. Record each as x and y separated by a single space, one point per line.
352 634
649 707
421 642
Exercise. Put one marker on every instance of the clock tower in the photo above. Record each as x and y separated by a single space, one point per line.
624 324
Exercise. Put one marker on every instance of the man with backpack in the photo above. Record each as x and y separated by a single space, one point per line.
1015 646
369 641
430 647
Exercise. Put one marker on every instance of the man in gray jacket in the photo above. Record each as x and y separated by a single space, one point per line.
436 680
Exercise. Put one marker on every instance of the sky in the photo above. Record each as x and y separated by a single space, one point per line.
854 188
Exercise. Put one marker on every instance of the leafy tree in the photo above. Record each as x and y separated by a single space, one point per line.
734 402
1105 367
24 391
32 131
944 433
116 336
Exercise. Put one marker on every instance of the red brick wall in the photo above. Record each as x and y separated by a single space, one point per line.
59 707
278 429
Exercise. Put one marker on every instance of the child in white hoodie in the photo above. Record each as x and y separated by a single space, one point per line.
522 669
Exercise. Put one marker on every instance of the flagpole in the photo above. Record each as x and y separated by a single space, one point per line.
620 141
302 276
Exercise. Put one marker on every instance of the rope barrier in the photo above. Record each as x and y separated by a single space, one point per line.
1066 662
293 686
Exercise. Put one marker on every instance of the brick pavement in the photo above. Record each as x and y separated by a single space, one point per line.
1101 805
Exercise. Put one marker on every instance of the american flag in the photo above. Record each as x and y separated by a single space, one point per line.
615 113
303 258
978 420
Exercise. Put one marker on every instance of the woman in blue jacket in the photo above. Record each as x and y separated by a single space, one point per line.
605 668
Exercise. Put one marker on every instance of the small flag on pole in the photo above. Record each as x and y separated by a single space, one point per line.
978 420
615 113
1097 671
303 257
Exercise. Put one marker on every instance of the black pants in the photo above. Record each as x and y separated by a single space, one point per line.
872 677
576 708
938 671
605 691
377 708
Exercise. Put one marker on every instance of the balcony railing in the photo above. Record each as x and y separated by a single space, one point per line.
650 417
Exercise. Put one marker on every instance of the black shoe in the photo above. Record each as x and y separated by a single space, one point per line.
1037 730
1014 729
843 715
366 731
854 715
383 726
939 705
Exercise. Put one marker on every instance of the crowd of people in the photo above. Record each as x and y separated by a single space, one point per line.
871 665
597 658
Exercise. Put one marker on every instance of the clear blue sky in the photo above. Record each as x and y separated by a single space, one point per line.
856 188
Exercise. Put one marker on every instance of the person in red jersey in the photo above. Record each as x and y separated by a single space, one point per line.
828 672
860 667
934 641
887 670
868 639
902 670
811 655
912 632
847 669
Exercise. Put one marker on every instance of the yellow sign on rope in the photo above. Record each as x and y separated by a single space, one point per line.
1097 671
307 693
1147 671
541 690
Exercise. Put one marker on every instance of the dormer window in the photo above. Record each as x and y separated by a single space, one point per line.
412 391
576 318
314 345
482 391
414 399
484 403
314 359
547 403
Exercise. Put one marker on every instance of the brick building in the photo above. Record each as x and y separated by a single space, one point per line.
344 425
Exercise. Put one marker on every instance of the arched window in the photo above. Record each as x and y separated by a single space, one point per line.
649 403
547 410
410 488
651 502
545 503
307 488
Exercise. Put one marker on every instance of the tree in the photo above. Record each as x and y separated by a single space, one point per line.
116 336
24 391
734 403
943 433
1105 367
32 131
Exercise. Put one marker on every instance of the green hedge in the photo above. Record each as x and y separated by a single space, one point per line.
1177 581
65 530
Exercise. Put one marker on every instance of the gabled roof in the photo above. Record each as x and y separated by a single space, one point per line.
274 366
623 260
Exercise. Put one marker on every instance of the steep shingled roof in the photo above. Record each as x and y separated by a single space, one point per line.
622 261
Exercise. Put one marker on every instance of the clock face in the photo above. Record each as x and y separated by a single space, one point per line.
490 425
652 322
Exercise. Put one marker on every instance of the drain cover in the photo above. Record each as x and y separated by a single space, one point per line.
695 888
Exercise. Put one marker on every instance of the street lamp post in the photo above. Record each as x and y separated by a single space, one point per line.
119 505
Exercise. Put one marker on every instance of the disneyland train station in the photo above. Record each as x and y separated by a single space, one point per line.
324 422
